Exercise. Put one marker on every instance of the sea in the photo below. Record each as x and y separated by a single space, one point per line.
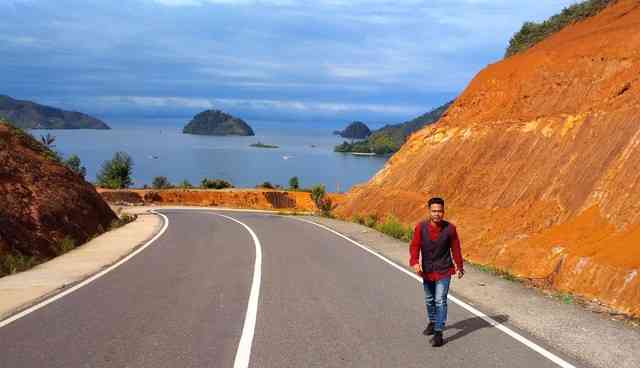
159 148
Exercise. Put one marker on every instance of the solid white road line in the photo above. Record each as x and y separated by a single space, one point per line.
537 348
243 354
89 280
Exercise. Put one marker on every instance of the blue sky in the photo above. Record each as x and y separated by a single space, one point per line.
323 60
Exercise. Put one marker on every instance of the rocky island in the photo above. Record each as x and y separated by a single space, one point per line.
30 115
216 122
355 130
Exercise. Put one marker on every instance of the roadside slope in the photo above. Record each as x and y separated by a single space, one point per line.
539 161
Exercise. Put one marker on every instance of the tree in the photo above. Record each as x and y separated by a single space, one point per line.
161 182
185 184
48 140
294 183
116 173
215 184
73 163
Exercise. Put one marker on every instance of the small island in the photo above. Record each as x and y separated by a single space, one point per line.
355 130
216 122
262 145
30 115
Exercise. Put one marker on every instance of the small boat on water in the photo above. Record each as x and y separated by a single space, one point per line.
363 153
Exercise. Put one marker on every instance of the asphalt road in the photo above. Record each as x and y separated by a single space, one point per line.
323 302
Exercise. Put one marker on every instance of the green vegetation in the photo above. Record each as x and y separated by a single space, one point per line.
73 163
185 184
504 274
390 138
380 144
116 173
32 142
17 262
266 185
48 140
215 184
294 183
319 197
161 182
122 220
262 145
64 245
390 226
531 33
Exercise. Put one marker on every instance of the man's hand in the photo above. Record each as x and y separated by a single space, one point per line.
418 268
460 273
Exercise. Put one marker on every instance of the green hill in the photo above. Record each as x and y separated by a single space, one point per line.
30 115
390 138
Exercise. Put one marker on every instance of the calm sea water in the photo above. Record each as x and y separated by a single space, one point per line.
306 151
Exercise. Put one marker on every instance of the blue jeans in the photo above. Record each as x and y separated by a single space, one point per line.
435 298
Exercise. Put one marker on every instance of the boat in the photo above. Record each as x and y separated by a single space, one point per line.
363 153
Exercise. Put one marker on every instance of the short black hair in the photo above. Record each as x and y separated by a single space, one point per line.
435 200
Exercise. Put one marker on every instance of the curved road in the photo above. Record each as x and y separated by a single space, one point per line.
323 302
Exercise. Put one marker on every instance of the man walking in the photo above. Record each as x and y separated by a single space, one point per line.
433 250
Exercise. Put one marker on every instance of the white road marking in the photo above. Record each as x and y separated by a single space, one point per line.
89 280
243 354
535 347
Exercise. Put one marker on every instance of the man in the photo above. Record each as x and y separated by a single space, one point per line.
436 242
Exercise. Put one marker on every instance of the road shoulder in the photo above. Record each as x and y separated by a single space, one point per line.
585 335
20 291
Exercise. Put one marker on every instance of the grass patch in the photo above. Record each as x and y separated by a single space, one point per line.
503 274
390 225
64 245
17 262
122 220
394 228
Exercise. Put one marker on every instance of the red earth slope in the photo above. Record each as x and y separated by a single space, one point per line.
539 162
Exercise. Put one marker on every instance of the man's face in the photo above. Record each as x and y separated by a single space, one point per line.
436 212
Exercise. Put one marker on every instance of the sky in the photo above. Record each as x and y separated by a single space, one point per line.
379 61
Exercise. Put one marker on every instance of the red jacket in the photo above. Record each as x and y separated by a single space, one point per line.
434 231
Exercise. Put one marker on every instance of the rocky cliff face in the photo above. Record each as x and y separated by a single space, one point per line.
42 202
30 115
539 162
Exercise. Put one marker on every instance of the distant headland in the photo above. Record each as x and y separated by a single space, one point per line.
30 115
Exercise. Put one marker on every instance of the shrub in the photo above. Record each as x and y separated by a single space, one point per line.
116 173
185 184
16 262
531 33
358 219
324 204
392 227
161 182
215 184
294 183
48 140
265 185
124 219
64 245
74 164
370 220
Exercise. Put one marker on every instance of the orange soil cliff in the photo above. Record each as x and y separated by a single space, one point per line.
260 199
42 202
539 162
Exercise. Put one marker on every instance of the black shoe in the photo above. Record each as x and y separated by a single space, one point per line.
437 339
429 330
